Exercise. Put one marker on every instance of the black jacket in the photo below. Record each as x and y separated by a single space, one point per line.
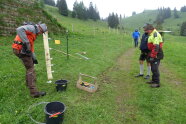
144 41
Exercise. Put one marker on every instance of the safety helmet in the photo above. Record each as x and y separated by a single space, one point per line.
43 27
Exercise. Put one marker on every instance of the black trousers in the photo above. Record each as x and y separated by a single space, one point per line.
155 71
136 42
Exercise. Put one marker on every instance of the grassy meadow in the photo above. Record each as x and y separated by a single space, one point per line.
120 99
101 46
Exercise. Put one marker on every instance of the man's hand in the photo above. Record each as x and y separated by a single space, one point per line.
35 61
152 59
34 58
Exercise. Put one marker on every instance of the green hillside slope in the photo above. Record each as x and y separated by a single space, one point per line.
74 24
15 12
149 16
173 24
138 20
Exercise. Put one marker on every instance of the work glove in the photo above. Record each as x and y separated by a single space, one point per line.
34 58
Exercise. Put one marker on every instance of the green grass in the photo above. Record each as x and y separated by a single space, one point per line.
175 54
166 104
144 105
120 99
102 47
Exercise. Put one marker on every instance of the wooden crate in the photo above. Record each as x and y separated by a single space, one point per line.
92 86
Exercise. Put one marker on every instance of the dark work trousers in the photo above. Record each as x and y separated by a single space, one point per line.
30 72
155 71
136 42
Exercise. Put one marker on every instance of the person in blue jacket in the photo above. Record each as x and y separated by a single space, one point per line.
136 36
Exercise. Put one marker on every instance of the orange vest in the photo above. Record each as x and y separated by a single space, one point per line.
31 37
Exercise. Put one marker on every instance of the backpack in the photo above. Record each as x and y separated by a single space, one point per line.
31 23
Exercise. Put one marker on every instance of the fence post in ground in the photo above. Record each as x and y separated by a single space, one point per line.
47 56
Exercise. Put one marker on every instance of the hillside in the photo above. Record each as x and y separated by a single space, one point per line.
138 20
120 99
149 16
74 24
15 12
173 24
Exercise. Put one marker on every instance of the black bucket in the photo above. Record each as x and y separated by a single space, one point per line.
54 112
61 85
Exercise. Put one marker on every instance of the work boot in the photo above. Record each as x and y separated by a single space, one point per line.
150 82
155 85
139 75
38 94
147 77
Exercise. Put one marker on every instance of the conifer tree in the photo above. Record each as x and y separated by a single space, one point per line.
80 11
74 12
63 9
163 13
49 2
183 9
176 13
93 13
133 13
183 29
113 20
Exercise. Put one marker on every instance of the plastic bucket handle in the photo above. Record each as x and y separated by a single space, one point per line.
32 106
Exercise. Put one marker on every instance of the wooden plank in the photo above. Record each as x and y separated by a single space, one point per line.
47 56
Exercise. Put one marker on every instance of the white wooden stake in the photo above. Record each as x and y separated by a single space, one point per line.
47 56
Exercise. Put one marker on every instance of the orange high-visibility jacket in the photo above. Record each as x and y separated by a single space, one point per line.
25 34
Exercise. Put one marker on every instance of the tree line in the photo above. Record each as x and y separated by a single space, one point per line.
80 11
113 20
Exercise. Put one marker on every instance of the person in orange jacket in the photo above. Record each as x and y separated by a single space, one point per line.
155 44
23 48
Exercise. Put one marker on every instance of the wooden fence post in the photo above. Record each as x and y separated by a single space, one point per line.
47 56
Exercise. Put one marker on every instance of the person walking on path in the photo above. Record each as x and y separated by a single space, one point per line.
23 48
155 44
144 56
136 36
